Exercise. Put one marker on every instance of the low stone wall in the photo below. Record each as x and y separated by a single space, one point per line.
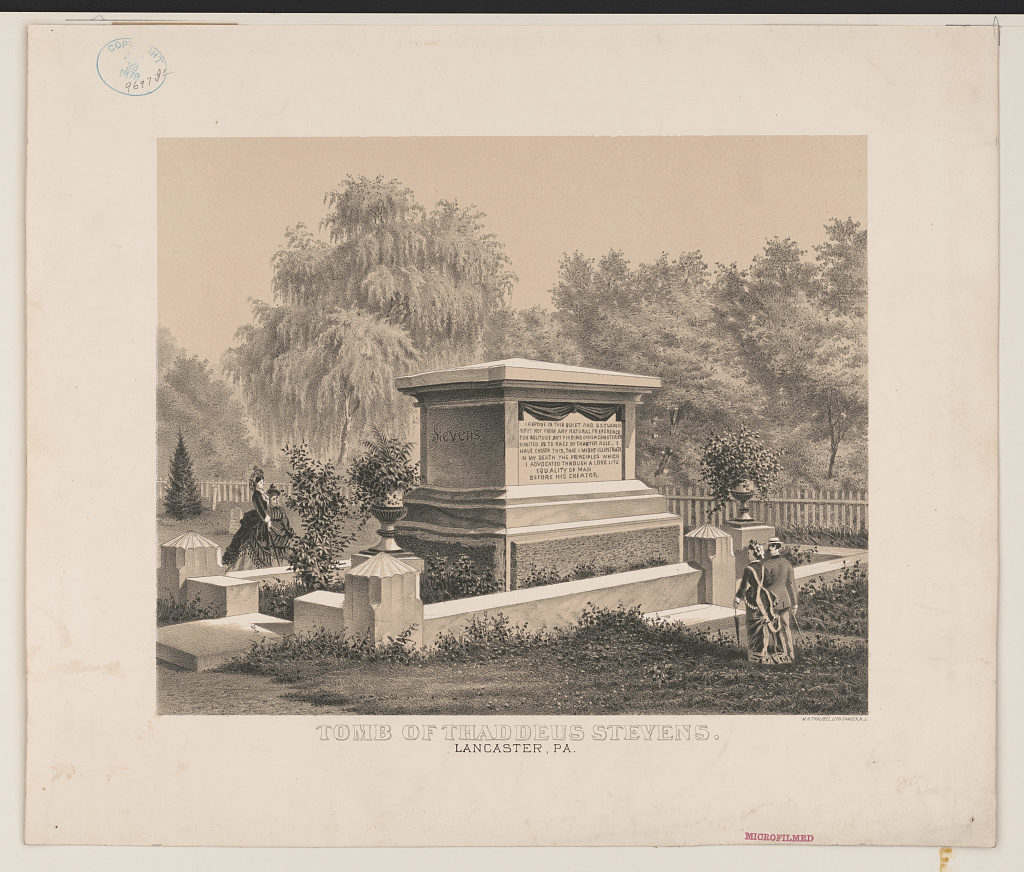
564 554
553 605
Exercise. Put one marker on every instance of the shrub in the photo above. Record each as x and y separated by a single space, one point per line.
537 577
450 578
170 611
321 649
318 498
603 618
183 499
840 606
840 537
798 555
277 595
487 637
446 579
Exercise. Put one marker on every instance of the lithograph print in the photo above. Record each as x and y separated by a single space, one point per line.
462 434
513 425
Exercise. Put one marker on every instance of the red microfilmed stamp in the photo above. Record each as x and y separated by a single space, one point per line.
778 837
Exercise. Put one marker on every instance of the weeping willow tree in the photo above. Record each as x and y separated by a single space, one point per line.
385 288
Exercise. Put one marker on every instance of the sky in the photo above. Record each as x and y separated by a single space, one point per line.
224 204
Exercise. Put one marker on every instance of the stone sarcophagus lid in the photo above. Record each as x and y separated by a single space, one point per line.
531 466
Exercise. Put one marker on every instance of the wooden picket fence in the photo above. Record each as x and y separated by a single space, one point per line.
216 492
794 507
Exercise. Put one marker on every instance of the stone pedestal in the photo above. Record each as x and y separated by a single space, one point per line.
527 465
201 645
185 556
711 549
382 599
224 596
743 535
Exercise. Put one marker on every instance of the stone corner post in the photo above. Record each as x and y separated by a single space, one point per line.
186 556
382 599
711 549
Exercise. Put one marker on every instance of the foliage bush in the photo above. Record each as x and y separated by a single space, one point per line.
840 537
322 649
446 578
486 638
538 577
450 578
798 555
384 467
277 595
729 460
839 606
170 611
318 497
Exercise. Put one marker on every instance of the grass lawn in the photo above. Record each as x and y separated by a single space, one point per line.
611 662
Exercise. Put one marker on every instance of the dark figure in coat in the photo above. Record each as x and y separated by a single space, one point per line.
778 577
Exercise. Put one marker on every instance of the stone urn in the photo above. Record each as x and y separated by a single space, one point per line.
388 512
742 492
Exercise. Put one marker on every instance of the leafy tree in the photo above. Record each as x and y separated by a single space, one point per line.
801 327
317 495
183 499
779 346
657 319
191 400
391 288
530 333
843 260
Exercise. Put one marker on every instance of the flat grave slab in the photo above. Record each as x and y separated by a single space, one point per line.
202 645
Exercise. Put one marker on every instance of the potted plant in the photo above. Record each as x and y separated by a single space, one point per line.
381 475
737 466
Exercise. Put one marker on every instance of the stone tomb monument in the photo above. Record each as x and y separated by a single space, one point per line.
530 465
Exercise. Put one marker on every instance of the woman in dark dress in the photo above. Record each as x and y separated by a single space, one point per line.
251 546
769 637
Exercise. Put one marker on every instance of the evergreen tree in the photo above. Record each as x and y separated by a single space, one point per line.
183 499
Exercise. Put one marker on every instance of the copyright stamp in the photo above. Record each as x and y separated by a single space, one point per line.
130 67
